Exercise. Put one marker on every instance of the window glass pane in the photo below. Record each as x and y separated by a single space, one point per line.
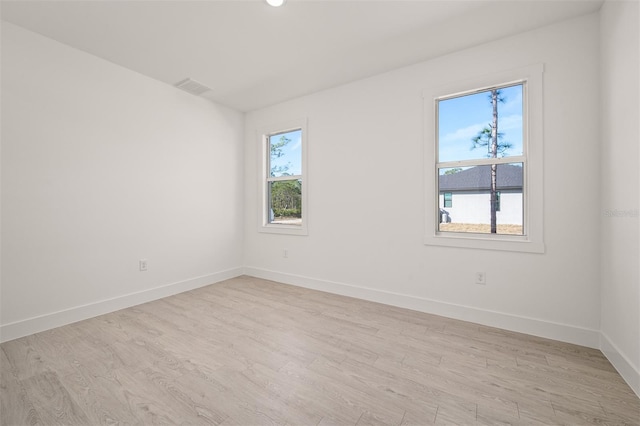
285 154
471 188
448 198
285 202
465 123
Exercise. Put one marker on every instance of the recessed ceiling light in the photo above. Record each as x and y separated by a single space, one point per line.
276 3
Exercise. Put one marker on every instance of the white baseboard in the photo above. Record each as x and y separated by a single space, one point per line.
56 319
620 362
536 327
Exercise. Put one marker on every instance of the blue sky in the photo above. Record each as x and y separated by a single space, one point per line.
460 119
292 153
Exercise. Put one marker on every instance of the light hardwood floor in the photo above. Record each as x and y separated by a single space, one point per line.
253 352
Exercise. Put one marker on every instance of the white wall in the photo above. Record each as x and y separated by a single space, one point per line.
102 167
365 187
475 207
620 188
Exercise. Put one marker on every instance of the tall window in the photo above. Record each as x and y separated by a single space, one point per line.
480 154
283 207
484 147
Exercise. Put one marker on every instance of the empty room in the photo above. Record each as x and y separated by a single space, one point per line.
308 212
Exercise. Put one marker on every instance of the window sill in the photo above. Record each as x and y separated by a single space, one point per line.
488 242
283 229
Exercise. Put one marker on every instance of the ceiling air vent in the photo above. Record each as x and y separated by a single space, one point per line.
192 87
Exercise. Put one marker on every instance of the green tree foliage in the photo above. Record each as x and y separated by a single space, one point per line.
286 198
276 152
489 135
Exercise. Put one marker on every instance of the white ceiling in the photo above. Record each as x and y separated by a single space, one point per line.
253 55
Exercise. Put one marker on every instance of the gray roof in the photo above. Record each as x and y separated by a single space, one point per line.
479 179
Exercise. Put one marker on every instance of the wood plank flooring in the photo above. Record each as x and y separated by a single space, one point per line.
253 352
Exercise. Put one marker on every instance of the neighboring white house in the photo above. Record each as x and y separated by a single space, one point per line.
465 196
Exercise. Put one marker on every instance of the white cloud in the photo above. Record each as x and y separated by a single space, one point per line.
513 103
465 134
510 122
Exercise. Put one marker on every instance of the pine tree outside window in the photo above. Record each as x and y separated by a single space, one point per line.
484 147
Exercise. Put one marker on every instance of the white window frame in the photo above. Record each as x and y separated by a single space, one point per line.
532 240
263 215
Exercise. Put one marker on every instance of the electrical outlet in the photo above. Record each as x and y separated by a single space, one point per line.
285 253
481 278
143 265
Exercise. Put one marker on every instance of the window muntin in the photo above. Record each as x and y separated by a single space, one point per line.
480 134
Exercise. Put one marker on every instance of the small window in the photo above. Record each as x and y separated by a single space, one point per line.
285 178
448 199
284 192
